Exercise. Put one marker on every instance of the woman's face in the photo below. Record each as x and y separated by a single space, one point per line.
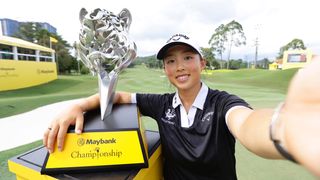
183 66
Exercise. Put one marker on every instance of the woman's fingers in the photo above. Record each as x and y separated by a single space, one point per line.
79 124
61 136
59 128
51 137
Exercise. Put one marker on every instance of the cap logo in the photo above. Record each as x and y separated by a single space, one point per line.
177 37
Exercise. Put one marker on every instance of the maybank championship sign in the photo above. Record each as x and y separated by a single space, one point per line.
21 74
93 150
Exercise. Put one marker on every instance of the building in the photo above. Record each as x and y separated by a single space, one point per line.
25 64
48 27
274 66
9 27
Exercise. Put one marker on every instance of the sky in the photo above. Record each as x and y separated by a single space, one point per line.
274 22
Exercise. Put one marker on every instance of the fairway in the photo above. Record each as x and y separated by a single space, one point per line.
261 88
65 88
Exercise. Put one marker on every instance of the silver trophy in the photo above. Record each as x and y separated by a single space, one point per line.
106 49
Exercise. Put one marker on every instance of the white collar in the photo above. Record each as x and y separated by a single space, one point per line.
198 102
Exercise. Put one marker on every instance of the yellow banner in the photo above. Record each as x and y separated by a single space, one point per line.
92 149
54 40
21 74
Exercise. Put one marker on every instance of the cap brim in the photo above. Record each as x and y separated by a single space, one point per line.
164 49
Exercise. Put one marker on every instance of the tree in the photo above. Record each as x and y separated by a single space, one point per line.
232 34
42 37
265 63
28 31
294 44
149 61
235 36
217 41
34 33
65 61
235 64
212 63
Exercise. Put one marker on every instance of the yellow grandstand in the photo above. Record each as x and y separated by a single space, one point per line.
25 64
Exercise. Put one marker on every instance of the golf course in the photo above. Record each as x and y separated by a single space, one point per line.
261 88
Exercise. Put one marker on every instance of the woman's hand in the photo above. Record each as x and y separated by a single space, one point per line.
301 116
59 127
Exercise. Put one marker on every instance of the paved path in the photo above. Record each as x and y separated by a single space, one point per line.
28 127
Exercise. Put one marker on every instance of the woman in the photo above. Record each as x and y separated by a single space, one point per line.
198 126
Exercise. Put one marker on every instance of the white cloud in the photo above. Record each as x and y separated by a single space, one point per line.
154 21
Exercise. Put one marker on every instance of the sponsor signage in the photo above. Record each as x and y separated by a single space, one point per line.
22 74
96 149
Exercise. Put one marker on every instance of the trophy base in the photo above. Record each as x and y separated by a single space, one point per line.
116 142
27 166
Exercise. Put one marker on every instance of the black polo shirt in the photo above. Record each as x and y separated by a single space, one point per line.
203 151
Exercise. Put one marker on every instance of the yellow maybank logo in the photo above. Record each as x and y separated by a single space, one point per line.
97 152
81 142
98 148
99 141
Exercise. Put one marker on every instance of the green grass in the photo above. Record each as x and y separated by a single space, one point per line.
252 167
275 80
65 88
260 88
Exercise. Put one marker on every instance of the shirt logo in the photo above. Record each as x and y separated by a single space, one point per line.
170 113
207 117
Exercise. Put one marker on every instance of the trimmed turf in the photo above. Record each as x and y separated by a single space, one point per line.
65 88
261 88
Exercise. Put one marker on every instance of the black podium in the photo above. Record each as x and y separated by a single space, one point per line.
28 165
124 119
